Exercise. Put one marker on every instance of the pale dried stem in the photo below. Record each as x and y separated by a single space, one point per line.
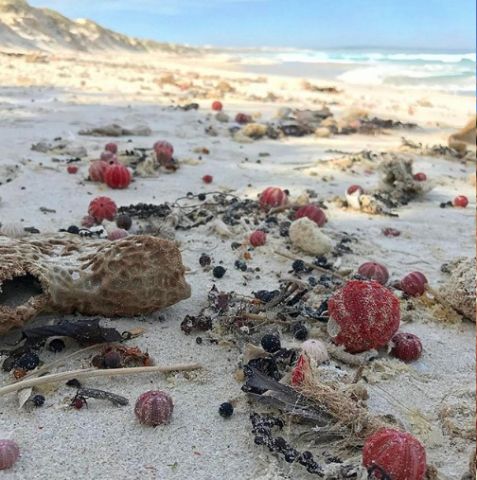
93 372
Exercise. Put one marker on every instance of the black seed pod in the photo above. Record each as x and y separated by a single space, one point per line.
124 221
204 260
38 400
56 345
298 266
271 343
28 361
73 229
218 271
300 332
226 410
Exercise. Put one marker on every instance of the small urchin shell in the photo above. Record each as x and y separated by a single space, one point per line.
406 346
117 176
117 233
316 351
399 454
307 236
414 284
96 171
154 408
374 271
102 208
313 213
365 315
258 238
273 197
9 453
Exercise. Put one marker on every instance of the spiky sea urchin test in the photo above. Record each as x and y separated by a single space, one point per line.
363 315
399 454
154 408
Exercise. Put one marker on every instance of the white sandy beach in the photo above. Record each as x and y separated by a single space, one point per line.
57 97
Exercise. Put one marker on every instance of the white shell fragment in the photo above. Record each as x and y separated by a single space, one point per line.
307 236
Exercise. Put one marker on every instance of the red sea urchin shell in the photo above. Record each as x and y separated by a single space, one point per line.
461 201
102 208
399 454
366 313
108 157
217 106
96 171
407 347
420 177
207 178
313 213
273 197
111 147
414 284
243 118
353 188
154 408
9 453
117 176
257 238
163 151
117 233
374 271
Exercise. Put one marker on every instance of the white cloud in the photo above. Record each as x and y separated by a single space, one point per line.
161 7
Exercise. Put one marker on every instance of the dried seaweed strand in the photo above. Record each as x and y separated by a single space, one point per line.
93 372
115 399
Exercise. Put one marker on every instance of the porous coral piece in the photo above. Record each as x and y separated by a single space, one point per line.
64 273
459 288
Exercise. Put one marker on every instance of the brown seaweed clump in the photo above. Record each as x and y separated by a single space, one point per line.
64 273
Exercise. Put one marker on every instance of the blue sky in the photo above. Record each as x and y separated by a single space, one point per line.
435 24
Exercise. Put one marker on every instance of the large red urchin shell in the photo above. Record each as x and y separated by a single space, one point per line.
313 213
163 151
9 453
374 271
414 284
257 238
406 346
102 208
273 197
96 171
117 176
366 313
154 408
399 454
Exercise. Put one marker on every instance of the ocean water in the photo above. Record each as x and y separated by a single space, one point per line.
445 71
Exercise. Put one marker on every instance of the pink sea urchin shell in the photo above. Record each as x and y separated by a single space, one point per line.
313 213
273 197
257 238
9 453
374 271
96 171
154 408
117 233
111 147
406 346
414 284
